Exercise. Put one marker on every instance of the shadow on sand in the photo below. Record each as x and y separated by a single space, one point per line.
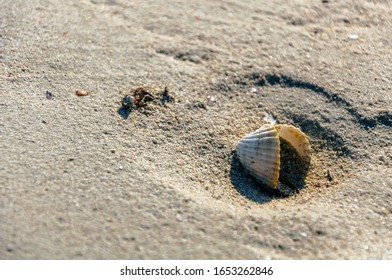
124 112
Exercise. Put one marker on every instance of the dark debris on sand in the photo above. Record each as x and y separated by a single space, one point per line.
143 100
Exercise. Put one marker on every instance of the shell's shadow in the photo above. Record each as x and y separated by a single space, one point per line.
124 112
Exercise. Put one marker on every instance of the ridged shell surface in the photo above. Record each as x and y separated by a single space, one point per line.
259 152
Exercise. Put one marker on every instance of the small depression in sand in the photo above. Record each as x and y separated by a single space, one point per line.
333 148
297 179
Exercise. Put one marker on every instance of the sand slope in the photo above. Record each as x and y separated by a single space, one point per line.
80 179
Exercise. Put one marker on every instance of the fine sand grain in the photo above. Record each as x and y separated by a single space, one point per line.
82 177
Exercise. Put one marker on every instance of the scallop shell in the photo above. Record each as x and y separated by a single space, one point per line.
259 152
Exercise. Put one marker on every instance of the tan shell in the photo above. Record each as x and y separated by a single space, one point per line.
81 92
259 152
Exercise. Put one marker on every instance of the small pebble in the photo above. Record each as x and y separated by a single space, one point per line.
330 176
127 101
48 95
353 37
81 93
211 100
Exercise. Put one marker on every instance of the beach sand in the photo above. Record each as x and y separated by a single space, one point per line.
83 178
